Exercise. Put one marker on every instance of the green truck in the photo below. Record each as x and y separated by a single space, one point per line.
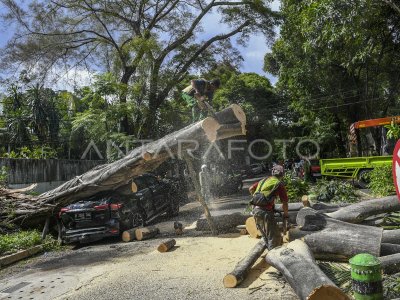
354 167
357 167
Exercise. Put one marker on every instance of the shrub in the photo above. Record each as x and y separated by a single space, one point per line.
14 242
295 187
335 191
381 181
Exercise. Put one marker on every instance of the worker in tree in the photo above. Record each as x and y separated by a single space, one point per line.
264 194
198 95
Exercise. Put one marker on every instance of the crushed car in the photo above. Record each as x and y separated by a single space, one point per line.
109 213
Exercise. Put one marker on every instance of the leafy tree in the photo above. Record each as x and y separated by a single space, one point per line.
337 62
149 45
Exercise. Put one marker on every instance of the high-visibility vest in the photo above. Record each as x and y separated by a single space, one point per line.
268 186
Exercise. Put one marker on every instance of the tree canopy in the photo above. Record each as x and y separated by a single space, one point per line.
150 46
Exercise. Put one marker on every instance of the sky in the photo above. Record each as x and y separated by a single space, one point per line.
253 54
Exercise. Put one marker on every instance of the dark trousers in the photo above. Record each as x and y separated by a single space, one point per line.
267 225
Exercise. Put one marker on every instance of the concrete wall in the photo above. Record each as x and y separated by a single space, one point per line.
47 173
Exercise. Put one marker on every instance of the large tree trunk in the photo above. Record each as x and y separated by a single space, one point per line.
390 263
332 237
358 212
33 210
389 249
223 223
298 266
391 236
238 274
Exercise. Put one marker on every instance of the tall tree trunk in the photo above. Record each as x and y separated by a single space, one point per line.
124 123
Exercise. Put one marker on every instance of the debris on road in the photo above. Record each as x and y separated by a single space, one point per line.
166 245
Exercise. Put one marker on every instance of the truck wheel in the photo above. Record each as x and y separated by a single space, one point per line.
362 179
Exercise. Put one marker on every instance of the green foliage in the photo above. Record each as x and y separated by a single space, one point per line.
3 176
335 191
339 273
381 181
14 242
391 221
393 131
391 286
336 61
36 152
295 187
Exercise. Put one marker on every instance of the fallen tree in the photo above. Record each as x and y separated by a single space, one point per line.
332 238
390 263
242 268
358 212
223 223
391 236
23 210
298 266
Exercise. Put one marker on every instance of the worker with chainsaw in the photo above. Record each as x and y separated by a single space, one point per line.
264 194
198 95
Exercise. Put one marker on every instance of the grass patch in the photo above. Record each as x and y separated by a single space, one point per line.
14 242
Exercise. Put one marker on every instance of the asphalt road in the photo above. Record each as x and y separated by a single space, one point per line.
110 269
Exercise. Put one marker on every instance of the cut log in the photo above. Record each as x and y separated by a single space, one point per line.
358 212
119 173
223 223
128 235
240 271
297 233
146 233
391 236
167 245
178 227
231 115
251 228
333 237
389 249
390 263
298 266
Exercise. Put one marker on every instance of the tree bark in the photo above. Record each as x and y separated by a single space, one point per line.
333 237
242 268
358 212
298 266
390 263
31 211
167 245
391 236
389 249
223 223
146 233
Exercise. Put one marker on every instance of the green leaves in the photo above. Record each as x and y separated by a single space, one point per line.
381 181
295 187
335 191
